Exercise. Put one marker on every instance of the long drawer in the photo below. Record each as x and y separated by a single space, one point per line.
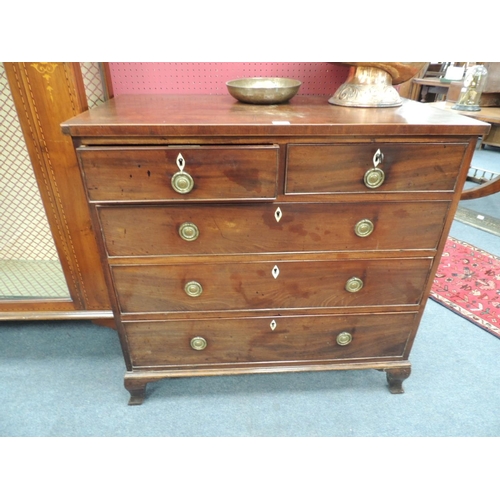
268 339
180 173
193 229
270 284
327 168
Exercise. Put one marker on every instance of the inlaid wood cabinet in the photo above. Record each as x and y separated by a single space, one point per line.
238 238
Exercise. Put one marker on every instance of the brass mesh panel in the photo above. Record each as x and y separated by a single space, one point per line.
29 264
92 79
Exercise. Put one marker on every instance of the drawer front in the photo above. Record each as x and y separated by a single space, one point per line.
270 284
201 173
342 168
270 339
261 228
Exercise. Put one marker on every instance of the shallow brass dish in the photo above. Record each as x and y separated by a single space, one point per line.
263 90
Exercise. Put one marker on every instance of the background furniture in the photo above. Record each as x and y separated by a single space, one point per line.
489 102
44 201
433 86
412 90
491 185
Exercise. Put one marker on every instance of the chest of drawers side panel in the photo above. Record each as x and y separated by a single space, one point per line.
461 175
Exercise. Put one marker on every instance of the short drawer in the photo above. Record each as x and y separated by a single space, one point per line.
269 339
180 173
270 284
200 229
350 168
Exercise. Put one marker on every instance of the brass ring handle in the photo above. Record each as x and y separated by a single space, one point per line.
193 289
188 231
364 228
374 178
344 338
198 343
354 285
182 182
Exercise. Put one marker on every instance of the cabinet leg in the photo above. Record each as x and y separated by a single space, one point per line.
395 378
137 390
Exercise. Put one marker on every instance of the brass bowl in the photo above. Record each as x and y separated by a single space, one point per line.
263 90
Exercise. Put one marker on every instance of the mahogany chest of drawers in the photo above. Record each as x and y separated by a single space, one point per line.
239 238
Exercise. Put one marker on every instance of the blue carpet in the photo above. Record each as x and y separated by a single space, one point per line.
65 379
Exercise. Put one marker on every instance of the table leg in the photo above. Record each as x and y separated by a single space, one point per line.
395 378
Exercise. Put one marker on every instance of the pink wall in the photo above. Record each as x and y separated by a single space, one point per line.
210 78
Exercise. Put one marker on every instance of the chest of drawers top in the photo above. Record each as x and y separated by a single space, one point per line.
167 117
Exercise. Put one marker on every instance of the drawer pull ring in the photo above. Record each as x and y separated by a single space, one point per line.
189 231
193 289
364 228
198 343
182 182
354 285
344 338
374 178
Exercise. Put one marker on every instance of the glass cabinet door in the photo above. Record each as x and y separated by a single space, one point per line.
29 264
49 265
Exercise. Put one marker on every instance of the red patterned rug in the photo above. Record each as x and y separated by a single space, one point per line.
468 283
